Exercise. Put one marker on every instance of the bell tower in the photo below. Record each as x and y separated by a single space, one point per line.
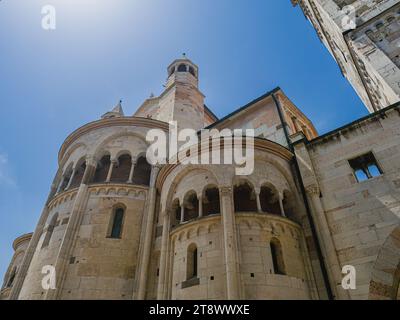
182 96
181 100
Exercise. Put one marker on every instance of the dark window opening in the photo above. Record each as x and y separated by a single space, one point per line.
277 257
211 202
122 169
192 262
176 209
116 229
269 199
67 178
182 68
142 172
102 170
50 230
191 205
244 198
79 172
365 167
191 70
11 279
288 205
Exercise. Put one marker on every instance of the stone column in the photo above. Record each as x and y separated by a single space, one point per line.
200 206
162 285
148 233
91 165
71 178
182 213
258 191
329 251
110 170
30 251
280 196
130 180
230 244
60 185
62 260
73 226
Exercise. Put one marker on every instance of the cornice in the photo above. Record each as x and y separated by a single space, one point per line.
18 241
100 188
112 122
260 144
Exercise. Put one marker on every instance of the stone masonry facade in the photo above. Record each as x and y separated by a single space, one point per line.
363 36
116 227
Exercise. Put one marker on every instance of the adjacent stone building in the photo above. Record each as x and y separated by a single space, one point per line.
364 38
116 227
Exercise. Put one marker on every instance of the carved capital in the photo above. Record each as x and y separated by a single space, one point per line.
225 190
313 190
91 161
157 167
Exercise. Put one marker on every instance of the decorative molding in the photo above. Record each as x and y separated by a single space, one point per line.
225 191
313 190
119 190
112 122
260 144
18 241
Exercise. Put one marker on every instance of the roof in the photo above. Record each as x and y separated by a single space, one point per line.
248 105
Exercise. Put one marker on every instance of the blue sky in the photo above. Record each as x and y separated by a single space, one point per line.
52 82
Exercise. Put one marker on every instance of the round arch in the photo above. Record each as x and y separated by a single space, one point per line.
101 145
182 173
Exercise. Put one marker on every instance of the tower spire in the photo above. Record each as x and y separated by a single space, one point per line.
116 112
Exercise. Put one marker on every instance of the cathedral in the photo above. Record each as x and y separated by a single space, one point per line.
116 227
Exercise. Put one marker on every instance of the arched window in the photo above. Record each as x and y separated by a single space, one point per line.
269 200
122 169
192 262
142 172
277 257
171 71
191 70
211 202
176 211
244 198
182 68
102 169
288 204
50 230
191 205
11 278
67 178
78 175
117 219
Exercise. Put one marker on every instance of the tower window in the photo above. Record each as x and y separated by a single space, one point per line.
50 230
182 68
365 167
192 262
11 279
277 257
191 70
116 225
